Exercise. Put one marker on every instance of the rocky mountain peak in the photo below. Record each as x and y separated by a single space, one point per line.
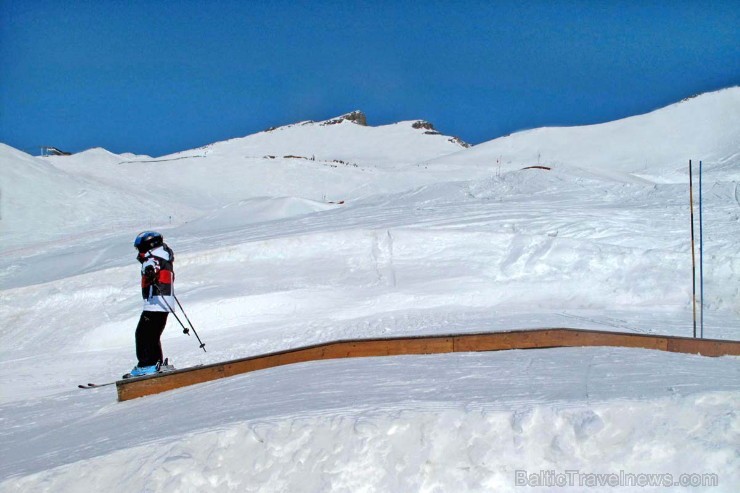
357 117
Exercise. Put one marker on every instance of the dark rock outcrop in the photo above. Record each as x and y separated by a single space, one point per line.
459 141
423 124
357 117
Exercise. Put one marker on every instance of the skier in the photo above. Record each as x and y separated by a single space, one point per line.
157 277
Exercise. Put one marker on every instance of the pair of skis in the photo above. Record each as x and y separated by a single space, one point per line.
164 369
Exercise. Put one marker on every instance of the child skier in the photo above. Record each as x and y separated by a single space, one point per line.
157 277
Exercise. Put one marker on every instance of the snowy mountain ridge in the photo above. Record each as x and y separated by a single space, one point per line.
343 138
655 146
349 161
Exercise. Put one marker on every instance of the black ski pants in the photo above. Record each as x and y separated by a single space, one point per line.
150 328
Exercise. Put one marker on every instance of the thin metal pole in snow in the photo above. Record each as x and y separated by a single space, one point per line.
693 257
701 258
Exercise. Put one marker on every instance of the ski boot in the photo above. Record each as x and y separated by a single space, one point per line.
140 371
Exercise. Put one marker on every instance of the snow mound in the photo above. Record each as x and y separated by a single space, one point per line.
448 450
256 210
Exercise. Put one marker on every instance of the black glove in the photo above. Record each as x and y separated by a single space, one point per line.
149 274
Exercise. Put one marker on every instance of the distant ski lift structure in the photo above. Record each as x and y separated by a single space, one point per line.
53 151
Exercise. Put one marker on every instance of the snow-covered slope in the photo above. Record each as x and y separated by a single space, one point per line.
317 162
415 423
430 239
655 146
41 202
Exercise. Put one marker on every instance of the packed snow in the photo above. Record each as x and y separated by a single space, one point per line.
315 232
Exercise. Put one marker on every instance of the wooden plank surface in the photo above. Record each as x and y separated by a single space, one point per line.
491 341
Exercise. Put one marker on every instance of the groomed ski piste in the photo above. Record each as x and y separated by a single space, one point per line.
317 232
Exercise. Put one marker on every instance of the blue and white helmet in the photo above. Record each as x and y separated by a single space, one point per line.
148 240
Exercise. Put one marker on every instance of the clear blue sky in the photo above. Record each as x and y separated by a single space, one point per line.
156 77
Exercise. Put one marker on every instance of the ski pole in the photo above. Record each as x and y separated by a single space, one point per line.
185 330
202 344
